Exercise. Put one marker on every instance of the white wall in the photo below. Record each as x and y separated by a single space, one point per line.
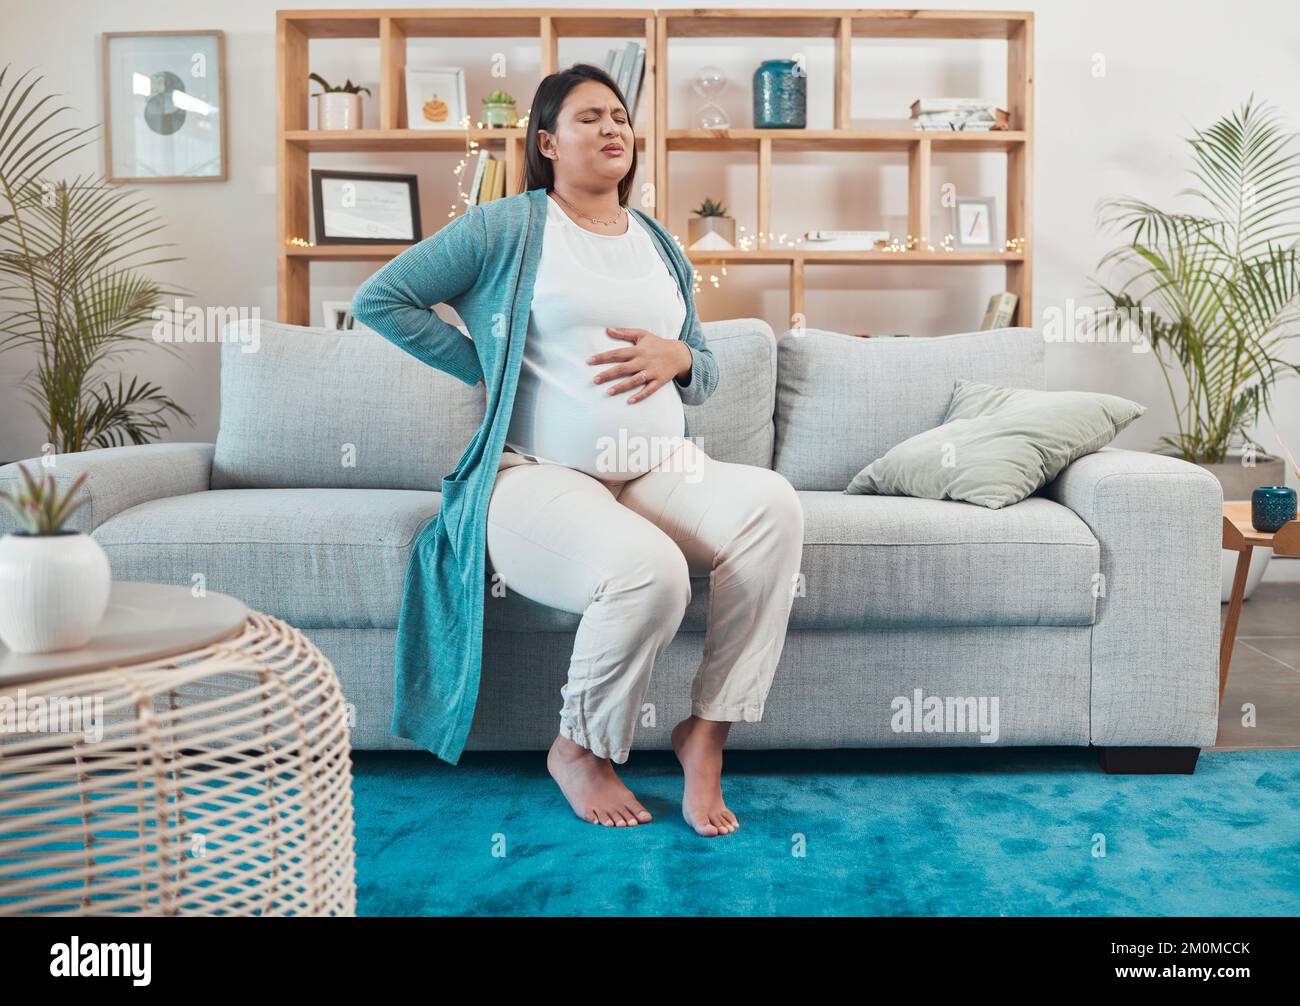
1169 66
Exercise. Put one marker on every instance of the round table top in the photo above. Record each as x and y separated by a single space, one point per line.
143 622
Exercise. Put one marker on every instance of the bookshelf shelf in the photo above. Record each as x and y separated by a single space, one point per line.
786 254
901 138
655 141
347 140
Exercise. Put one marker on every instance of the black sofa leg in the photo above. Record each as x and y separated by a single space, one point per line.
1148 761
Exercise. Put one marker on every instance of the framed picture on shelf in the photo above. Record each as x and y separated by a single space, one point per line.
974 225
165 106
337 315
364 207
435 98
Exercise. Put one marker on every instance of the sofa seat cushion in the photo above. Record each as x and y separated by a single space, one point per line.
898 562
317 558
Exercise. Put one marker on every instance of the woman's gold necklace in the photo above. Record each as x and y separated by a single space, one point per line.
594 220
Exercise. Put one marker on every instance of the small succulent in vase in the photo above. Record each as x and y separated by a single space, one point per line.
499 110
54 581
711 228
338 107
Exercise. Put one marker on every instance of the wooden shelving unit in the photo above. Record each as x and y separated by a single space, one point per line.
844 26
295 142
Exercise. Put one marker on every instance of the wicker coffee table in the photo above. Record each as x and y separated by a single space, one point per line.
192 759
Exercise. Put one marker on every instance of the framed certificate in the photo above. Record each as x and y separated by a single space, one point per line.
355 207
165 106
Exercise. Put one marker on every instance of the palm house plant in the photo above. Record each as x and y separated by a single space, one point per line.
1214 288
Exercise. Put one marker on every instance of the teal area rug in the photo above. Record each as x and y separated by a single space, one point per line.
977 832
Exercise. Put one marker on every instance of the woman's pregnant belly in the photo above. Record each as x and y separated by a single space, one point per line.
562 416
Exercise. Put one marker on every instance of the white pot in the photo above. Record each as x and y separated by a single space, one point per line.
53 590
338 110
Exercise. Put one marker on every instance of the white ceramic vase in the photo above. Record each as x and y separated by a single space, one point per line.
53 590
338 110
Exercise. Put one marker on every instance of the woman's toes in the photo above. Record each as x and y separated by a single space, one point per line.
636 813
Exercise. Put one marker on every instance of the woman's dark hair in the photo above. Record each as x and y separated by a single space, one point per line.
539 172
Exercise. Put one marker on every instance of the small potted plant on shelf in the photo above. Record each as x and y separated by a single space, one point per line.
54 582
338 107
499 110
711 227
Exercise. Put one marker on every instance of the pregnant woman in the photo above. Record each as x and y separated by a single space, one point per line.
583 486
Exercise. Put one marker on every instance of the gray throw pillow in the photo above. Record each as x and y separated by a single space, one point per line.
997 445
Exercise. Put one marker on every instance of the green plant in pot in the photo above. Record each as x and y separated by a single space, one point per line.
54 581
72 286
711 228
1214 289
338 106
499 110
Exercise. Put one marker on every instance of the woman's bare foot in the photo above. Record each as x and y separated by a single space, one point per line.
594 791
698 744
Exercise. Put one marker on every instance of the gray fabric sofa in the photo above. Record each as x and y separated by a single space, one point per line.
1087 614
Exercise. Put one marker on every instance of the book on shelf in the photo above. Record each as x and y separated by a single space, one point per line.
833 240
1001 309
971 114
627 66
483 157
829 235
489 180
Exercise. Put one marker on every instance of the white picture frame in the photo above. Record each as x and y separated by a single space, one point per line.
165 106
430 89
336 315
975 223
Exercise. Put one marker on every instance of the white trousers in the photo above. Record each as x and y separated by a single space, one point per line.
621 555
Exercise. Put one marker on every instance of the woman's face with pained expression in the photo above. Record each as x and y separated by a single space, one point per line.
592 138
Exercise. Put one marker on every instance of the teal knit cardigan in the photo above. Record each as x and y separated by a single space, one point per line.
483 264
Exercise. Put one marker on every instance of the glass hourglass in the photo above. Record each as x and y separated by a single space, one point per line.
709 83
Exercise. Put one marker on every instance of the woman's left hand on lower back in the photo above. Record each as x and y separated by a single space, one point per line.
646 365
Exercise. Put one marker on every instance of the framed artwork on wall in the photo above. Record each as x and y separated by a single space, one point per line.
435 98
365 207
165 106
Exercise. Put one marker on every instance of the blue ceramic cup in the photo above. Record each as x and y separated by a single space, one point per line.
1271 507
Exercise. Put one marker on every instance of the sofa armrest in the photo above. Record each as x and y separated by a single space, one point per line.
1155 643
119 477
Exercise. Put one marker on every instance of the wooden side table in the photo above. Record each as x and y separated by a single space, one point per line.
1240 536
192 759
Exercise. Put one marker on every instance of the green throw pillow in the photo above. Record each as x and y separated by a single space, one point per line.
997 445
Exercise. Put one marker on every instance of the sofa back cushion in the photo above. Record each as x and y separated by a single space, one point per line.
735 424
843 401
314 407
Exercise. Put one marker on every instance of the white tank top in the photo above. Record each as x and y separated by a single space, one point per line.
585 282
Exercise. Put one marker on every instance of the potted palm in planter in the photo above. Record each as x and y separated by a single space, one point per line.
1214 288
54 582
76 296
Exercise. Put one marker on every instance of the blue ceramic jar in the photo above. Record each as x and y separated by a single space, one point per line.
780 95
1271 507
